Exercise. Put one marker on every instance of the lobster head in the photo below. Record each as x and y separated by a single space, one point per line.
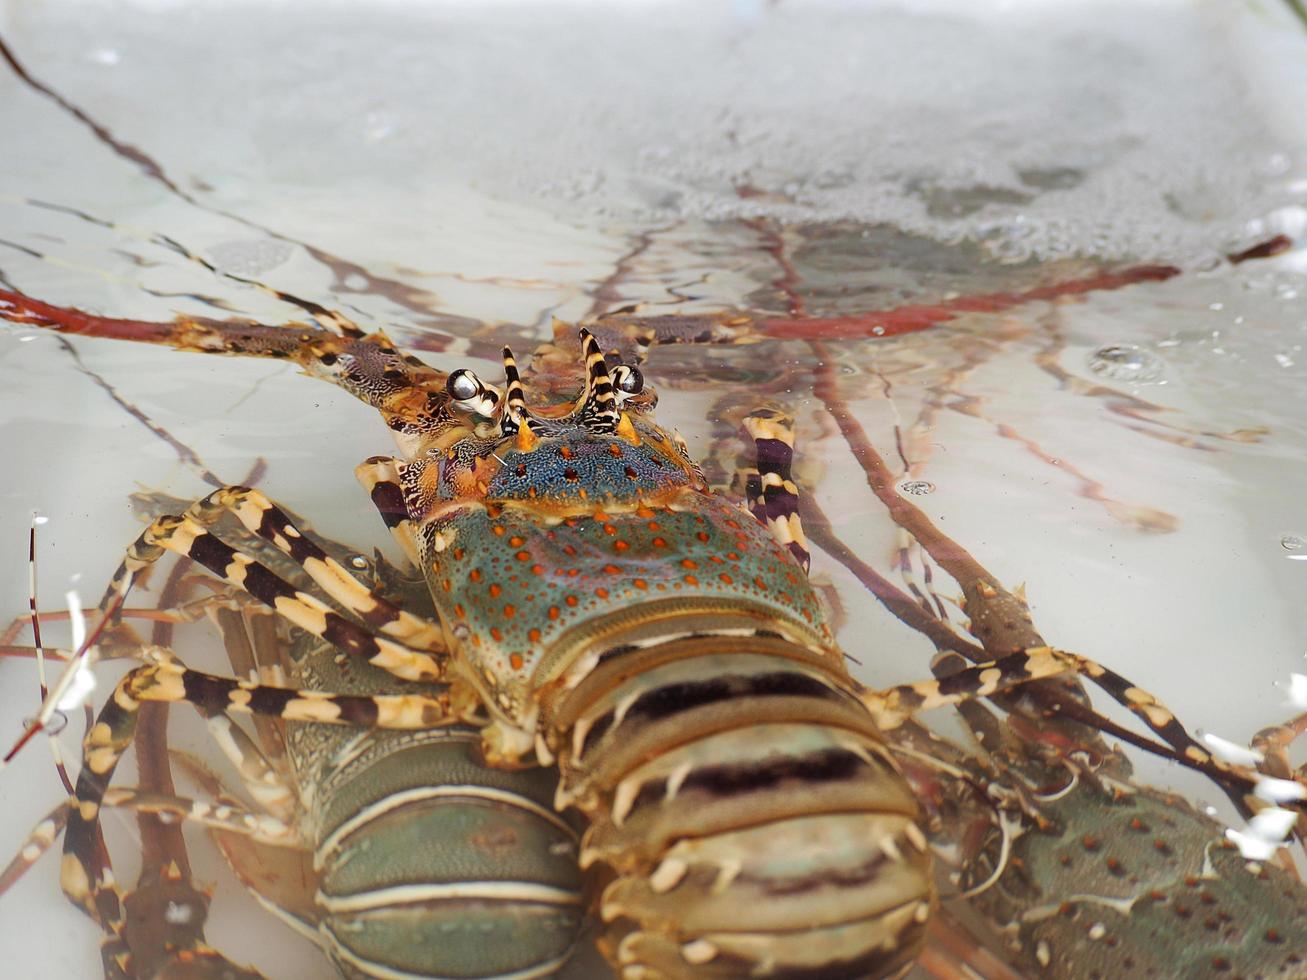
547 533
578 456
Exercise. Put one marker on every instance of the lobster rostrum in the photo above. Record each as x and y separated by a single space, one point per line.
600 607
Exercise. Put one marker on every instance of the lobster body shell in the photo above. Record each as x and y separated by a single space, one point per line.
671 655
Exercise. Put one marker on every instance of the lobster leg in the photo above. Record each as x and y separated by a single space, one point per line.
893 706
187 535
379 476
770 491
262 517
86 877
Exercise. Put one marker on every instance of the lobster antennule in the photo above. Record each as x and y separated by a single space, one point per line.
598 411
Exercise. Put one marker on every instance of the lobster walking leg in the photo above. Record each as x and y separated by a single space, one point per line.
186 535
379 477
770 491
262 517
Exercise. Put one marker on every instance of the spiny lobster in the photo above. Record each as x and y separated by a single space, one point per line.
601 607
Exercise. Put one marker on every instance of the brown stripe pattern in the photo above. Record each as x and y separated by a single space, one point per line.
748 809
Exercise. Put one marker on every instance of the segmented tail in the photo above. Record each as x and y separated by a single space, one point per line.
748 808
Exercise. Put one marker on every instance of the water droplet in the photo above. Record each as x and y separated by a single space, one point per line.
359 561
878 330
1126 362
39 518
918 488
1284 360
1293 542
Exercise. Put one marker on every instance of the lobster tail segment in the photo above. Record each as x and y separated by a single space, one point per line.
748 812
433 865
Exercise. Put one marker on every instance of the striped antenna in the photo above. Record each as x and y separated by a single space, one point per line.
599 409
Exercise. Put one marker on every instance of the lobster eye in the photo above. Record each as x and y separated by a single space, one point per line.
463 385
628 379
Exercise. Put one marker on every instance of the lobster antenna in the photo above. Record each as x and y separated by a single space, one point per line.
75 682
599 409
60 766
37 519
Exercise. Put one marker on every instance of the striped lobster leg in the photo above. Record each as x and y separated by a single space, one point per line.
769 489
410 647
418 859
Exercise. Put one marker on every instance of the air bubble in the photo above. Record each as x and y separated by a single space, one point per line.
56 723
360 562
1126 362
249 256
1296 545
917 488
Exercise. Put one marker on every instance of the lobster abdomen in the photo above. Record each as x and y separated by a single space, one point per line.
427 861
745 804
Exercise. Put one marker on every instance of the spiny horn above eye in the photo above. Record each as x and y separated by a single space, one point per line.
514 396
599 410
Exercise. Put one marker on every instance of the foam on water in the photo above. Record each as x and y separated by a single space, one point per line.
1163 130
